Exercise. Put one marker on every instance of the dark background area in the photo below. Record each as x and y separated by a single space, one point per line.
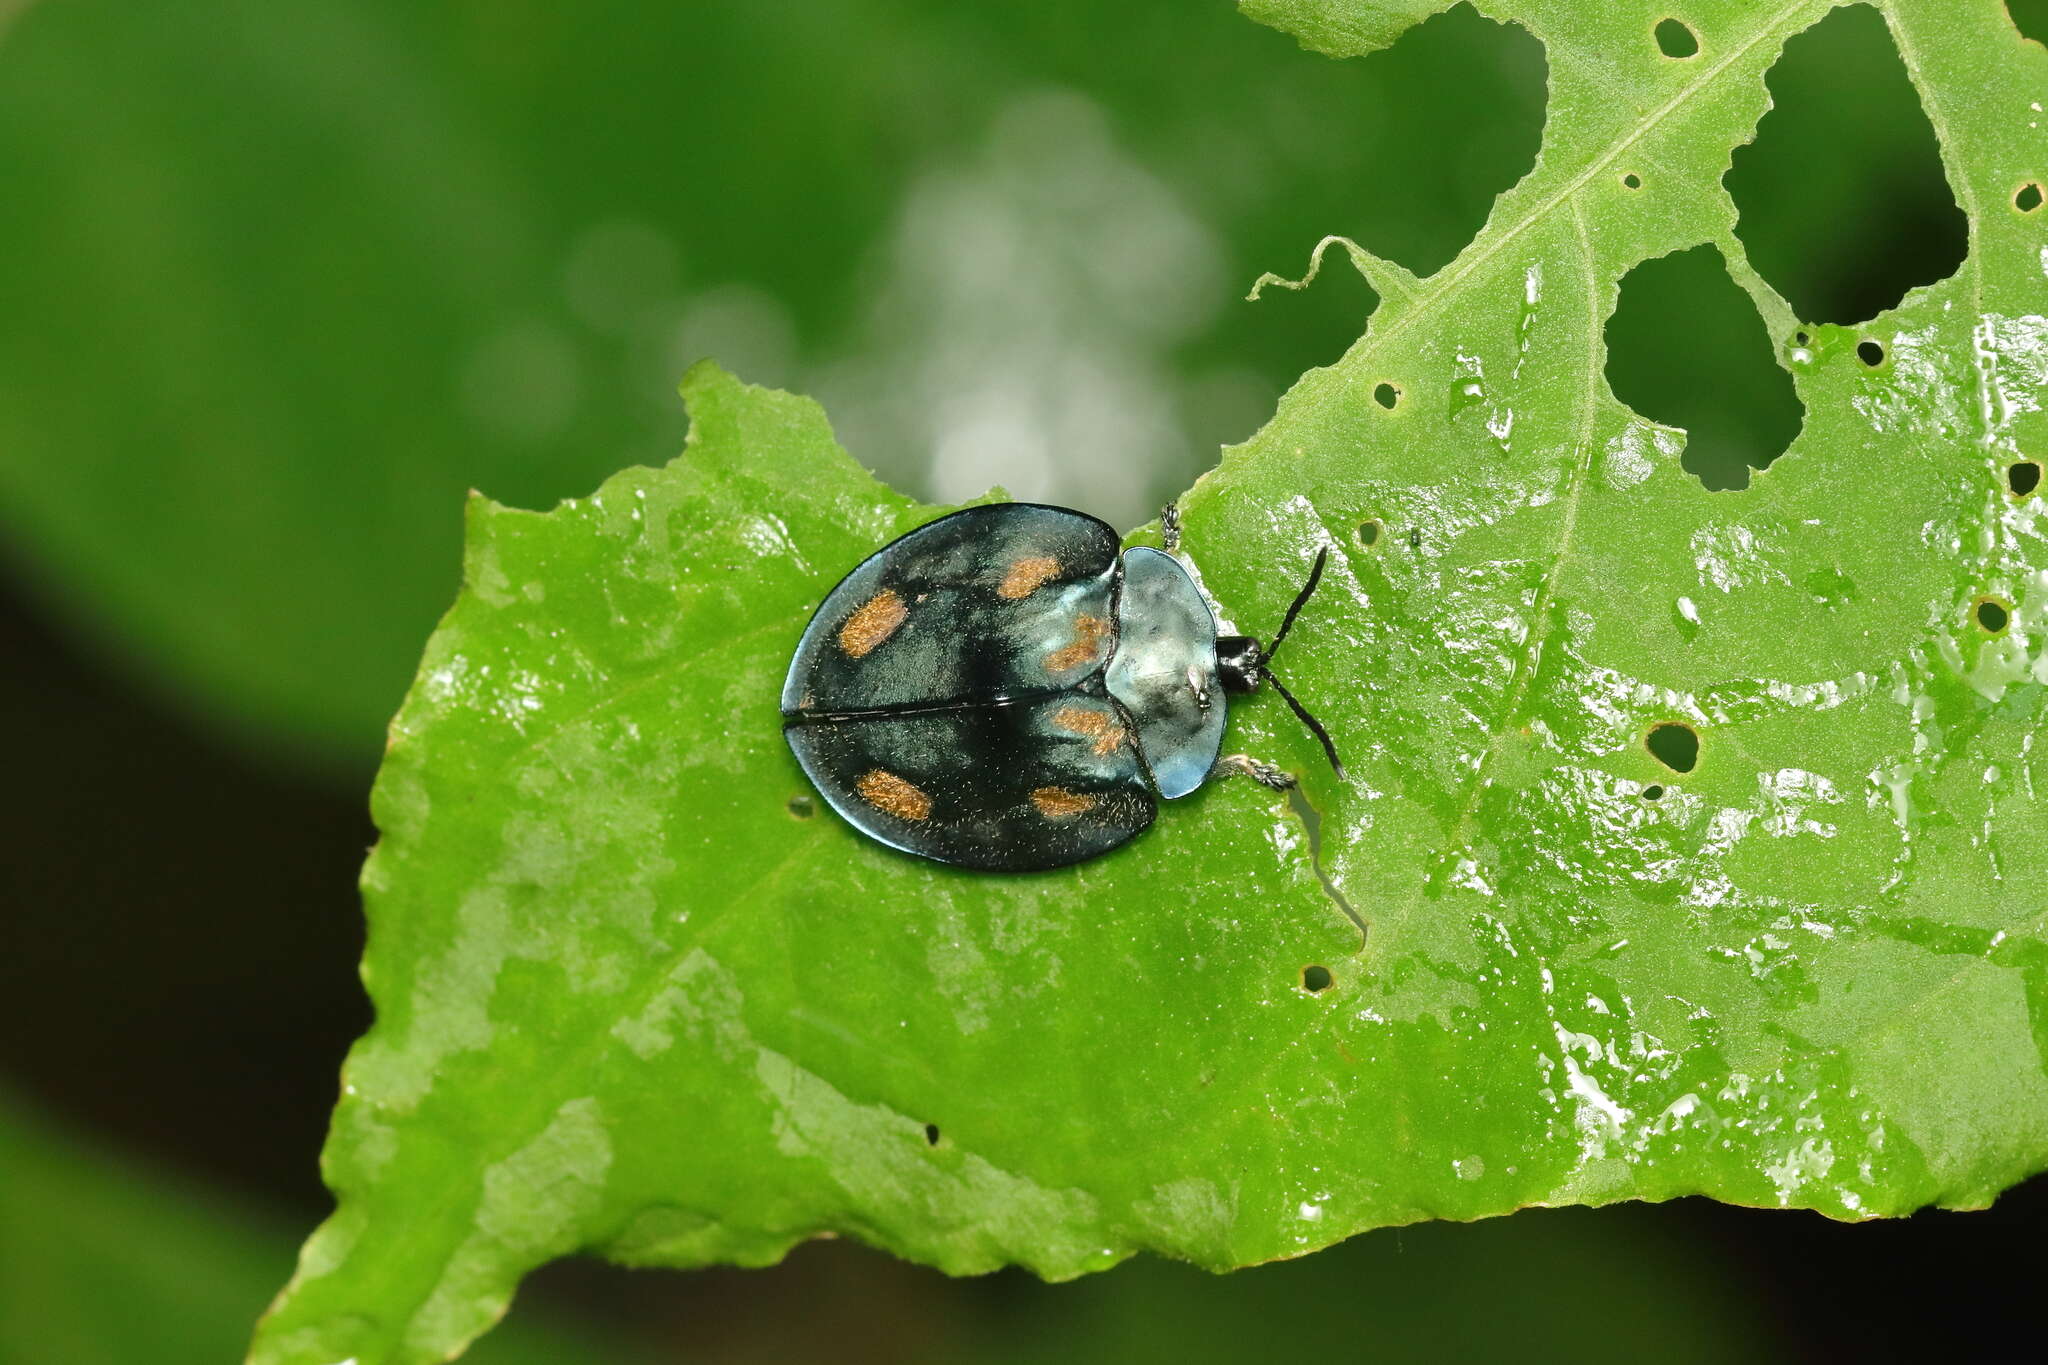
265 278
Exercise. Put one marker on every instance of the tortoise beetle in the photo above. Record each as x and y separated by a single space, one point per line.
1001 689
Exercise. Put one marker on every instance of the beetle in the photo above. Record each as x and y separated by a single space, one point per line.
1001 689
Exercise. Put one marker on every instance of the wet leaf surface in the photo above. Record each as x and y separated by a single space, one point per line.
636 995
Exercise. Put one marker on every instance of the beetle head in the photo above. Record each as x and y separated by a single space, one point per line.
1240 662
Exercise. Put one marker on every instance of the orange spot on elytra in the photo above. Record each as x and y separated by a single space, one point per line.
891 795
1026 576
1087 643
1095 725
874 621
1057 803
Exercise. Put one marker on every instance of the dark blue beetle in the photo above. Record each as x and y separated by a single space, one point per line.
1001 689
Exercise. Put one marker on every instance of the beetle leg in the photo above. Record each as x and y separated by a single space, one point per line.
1169 527
1244 765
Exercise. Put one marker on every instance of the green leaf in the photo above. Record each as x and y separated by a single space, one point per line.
632 999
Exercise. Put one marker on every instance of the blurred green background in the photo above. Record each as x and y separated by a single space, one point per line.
278 282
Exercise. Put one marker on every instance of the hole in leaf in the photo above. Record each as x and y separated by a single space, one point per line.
2030 17
1386 395
1316 979
1993 615
1686 347
1841 201
1871 353
1632 181
2023 477
1369 533
1426 206
802 807
1800 339
2028 199
1653 792
1675 745
1674 39
931 1135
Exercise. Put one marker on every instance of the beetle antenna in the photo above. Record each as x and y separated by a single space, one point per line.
1315 726
1315 576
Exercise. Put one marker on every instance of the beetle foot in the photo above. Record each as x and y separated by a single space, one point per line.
1169 527
1244 765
